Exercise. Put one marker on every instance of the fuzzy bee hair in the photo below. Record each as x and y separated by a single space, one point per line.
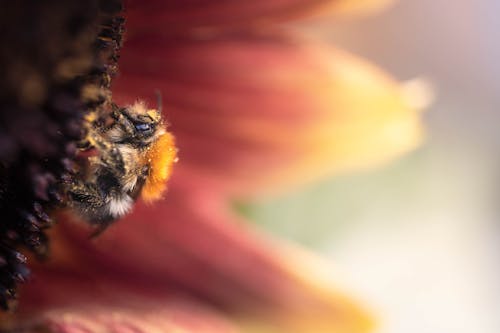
133 156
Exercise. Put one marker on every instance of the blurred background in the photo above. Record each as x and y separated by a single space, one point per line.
417 239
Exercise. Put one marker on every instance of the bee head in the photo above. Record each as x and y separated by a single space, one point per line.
138 125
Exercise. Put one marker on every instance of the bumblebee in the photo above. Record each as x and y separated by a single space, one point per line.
132 157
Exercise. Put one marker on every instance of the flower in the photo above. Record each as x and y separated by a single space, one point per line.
254 110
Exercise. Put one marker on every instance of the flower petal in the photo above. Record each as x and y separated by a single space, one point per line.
351 8
173 315
180 16
259 110
192 247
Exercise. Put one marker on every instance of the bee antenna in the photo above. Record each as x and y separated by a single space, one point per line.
159 100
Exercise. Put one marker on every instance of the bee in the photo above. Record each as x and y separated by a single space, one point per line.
133 156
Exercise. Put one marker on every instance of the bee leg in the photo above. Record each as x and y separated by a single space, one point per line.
85 194
89 202
114 160
101 227
84 145
141 179
110 155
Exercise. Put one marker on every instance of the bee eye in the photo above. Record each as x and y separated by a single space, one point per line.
142 127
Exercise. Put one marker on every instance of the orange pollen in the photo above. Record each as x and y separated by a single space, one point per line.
160 156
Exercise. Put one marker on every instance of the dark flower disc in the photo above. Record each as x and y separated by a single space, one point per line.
57 59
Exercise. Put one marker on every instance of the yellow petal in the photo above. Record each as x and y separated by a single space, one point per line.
325 309
350 8
367 119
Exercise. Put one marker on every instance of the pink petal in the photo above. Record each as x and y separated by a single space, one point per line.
142 317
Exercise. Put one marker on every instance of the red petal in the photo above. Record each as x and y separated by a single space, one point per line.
255 110
187 248
181 15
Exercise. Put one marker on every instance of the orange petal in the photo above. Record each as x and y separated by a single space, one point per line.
257 111
190 247
201 16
